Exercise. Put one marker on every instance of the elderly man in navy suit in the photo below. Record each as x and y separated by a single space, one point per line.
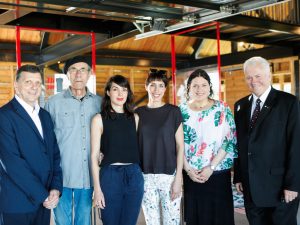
268 131
30 173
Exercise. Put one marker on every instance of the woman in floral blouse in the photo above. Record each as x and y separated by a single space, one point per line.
210 146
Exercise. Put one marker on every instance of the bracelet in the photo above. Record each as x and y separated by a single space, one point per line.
212 167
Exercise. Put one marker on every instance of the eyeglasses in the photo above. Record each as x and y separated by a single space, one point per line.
81 71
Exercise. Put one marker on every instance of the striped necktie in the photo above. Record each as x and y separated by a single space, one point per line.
255 114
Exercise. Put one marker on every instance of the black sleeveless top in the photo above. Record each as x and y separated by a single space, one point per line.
119 140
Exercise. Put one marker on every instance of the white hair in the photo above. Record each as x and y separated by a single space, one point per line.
258 61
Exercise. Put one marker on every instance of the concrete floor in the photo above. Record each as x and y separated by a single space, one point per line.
240 218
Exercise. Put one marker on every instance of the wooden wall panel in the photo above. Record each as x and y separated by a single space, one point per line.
135 75
285 12
7 75
282 74
235 86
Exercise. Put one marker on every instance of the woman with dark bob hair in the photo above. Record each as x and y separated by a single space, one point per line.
119 190
210 146
161 146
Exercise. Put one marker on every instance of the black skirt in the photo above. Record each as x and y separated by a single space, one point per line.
210 203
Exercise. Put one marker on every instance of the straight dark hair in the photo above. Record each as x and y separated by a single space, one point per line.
106 108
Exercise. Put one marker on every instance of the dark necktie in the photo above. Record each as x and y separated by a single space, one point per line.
255 114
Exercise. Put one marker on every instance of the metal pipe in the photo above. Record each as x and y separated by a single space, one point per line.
93 37
219 57
174 53
18 47
173 58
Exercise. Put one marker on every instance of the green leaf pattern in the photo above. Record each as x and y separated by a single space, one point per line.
213 128
190 134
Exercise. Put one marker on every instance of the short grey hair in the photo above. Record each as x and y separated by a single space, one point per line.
257 60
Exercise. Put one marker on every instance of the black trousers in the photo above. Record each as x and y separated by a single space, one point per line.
39 217
283 214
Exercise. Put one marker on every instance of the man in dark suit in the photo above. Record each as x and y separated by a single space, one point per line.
268 136
30 173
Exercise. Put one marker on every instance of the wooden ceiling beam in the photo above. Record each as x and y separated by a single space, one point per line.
138 54
257 23
74 45
247 39
118 6
193 3
238 57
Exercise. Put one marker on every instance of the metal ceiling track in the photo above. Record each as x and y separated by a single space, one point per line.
225 11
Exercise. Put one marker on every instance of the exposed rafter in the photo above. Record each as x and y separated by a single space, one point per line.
24 47
75 45
45 20
193 3
138 54
238 57
44 40
249 39
136 8
225 12
197 47
78 45
258 23
10 15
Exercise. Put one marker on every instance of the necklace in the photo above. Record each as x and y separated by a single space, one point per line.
202 106
197 107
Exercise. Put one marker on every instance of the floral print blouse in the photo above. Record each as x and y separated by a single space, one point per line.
206 132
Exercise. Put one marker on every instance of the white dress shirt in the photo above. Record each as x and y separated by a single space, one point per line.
33 112
262 98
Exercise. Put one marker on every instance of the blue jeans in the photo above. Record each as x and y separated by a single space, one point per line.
81 199
123 188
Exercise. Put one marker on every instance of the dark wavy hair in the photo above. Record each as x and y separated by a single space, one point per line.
198 73
160 75
106 108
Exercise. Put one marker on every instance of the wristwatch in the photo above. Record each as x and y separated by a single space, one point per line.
212 167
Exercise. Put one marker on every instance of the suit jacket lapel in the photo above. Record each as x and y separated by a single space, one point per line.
249 107
44 124
266 107
24 115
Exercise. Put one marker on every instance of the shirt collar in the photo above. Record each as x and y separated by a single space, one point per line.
263 97
68 93
28 108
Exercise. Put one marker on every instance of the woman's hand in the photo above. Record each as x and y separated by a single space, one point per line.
193 174
175 189
99 201
100 158
205 174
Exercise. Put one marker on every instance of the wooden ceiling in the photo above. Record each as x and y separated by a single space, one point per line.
257 24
